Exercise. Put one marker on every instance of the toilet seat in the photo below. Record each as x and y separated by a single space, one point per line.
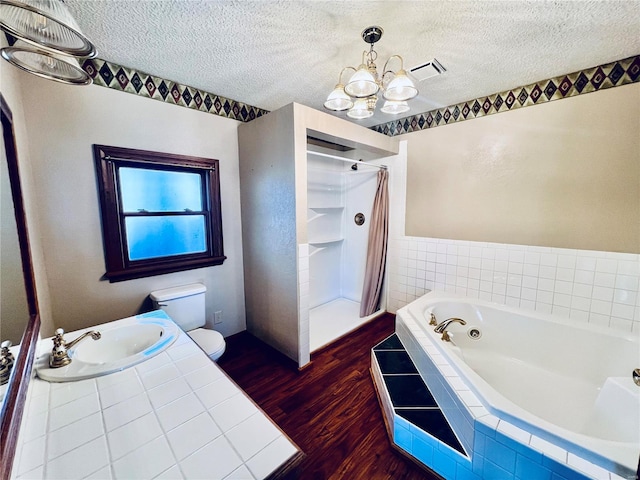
210 341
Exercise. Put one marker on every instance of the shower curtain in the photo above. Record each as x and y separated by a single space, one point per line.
376 247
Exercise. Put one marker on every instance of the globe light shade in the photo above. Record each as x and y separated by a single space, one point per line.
47 24
338 100
63 69
362 83
401 88
394 107
360 110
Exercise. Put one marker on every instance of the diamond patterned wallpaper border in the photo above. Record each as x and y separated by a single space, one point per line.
111 75
609 75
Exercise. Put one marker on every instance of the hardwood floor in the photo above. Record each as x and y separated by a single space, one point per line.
329 409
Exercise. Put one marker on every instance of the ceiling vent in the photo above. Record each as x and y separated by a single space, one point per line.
427 70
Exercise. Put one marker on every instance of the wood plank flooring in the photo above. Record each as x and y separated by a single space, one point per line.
329 409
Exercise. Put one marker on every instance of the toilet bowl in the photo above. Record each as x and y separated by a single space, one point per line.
186 306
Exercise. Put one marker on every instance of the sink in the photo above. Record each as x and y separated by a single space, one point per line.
123 343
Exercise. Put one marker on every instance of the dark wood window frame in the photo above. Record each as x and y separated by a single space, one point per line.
119 267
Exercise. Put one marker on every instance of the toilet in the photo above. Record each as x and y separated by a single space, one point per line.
186 306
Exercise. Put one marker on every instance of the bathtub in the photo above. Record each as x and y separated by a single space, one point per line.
567 386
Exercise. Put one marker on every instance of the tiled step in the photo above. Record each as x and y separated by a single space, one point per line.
418 425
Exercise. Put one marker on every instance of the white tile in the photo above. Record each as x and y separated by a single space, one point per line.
70 391
183 351
154 363
172 473
514 432
627 282
126 411
168 392
107 381
579 315
271 457
549 449
216 392
146 462
563 287
73 411
586 263
35 474
589 468
133 435
80 462
252 435
33 426
103 474
561 300
544 297
241 473
233 411
215 460
193 362
159 376
470 399
72 436
627 297
604 279
601 307
546 284
31 455
626 267
122 391
179 411
203 376
606 265
584 276
622 311
582 290
192 435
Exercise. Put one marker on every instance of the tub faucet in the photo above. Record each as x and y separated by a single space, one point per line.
60 353
442 327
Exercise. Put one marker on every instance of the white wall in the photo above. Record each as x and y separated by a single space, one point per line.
63 122
11 84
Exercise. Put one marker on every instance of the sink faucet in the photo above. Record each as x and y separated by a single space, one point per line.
442 327
60 353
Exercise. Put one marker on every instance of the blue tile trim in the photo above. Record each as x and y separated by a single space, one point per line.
609 75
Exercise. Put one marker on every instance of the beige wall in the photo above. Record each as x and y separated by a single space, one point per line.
562 174
63 122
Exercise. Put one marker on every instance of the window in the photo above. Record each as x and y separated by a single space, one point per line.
160 212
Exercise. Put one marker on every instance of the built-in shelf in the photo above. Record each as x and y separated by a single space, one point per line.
326 241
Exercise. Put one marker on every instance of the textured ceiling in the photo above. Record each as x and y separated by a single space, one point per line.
271 53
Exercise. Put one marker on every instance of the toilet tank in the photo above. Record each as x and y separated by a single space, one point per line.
185 304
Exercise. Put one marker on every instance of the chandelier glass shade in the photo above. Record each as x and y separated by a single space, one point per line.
365 84
46 65
55 40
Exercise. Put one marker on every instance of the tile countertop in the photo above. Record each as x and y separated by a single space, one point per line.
176 415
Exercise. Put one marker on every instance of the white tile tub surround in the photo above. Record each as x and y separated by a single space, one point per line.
602 288
176 415
474 425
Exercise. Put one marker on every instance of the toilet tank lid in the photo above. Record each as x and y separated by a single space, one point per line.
177 292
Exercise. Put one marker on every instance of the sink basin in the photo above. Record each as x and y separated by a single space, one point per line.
123 343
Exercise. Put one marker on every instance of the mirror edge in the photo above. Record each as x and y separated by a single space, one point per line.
14 401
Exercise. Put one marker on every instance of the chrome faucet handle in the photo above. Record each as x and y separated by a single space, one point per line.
432 320
60 353
443 325
636 376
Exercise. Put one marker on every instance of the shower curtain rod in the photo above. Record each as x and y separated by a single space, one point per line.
349 160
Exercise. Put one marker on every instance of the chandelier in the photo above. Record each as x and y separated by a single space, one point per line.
360 94
49 42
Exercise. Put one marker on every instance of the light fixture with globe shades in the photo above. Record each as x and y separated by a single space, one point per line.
360 94
52 43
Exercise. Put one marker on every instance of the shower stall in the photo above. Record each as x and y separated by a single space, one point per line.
339 200
305 224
